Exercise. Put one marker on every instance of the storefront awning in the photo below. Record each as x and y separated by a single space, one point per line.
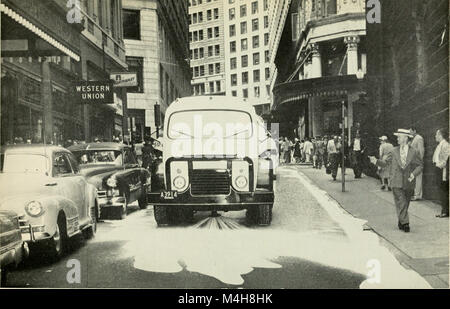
329 86
37 31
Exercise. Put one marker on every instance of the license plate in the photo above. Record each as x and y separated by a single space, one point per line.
169 195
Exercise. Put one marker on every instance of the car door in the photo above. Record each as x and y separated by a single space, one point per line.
69 184
133 174
80 181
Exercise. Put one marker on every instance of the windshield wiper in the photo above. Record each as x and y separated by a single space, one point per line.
237 133
182 133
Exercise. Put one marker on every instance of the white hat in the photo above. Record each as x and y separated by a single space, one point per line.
383 138
403 132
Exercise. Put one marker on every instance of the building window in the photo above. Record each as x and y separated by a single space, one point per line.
255 24
267 56
295 26
211 69
211 87
233 79
256 89
233 63
217 68
194 18
233 46
200 17
255 7
244 78
256 59
232 30
266 22
256 41
266 5
216 32
267 73
200 35
201 52
243 10
234 93
216 13
244 44
245 93
268 90
208 14
210 51
266 39
243 27
131 24
244 61
136 65
218 88
210 33
231 14
196 53
256 76
217 50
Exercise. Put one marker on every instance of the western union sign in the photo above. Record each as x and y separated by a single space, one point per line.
94 92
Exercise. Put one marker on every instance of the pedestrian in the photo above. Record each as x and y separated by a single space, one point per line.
320 150
406 165
302 150
325 152
384 172
440 161
357 150
147 154
287 150
297 152
308 148
418 144
333 156
281 149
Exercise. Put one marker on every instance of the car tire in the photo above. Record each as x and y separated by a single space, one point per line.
143 200
161 214
187 214
264 215
58 243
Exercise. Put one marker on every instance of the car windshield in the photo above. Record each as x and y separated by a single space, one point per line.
99 157
25 163
210 124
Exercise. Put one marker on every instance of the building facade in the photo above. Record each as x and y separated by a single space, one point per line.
408 61
207 52
230 48
44 52
157 49
321 63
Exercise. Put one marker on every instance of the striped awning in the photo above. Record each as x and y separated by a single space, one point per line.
39 32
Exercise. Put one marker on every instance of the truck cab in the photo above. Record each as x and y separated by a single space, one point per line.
215 158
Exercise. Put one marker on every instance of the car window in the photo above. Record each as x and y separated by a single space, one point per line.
74 163
61 165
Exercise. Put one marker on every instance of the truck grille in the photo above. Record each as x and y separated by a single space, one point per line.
210 182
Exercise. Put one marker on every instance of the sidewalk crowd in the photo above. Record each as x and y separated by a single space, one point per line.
399 168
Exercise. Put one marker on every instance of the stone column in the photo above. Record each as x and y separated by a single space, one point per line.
316 68
307 68
352 54
46 98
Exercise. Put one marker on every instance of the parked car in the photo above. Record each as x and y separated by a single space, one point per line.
214 159
44 186
113 169
12 248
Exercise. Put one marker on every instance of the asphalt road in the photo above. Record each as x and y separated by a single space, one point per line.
310 244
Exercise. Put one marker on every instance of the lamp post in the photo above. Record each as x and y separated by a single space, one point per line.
343 147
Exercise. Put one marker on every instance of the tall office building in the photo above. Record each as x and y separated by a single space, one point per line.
207 46
240 36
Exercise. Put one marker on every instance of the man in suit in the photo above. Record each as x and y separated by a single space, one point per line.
357 149
440 160
406 165
418 144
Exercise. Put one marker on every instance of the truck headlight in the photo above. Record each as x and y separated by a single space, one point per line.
179 175
240 175
111 182
34 209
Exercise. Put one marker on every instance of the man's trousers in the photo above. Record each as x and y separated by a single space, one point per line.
402 198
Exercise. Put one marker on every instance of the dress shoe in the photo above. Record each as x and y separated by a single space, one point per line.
389 189
383 187
406 228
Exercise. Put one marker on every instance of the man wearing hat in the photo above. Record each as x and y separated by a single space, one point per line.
418 144
406 165
384 172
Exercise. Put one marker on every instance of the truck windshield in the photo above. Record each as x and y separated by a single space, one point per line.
210 124
25 163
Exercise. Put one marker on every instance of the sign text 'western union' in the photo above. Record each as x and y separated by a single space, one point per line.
98 92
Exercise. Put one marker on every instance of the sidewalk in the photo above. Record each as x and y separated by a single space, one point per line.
425 249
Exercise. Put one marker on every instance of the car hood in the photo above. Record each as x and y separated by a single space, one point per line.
97 174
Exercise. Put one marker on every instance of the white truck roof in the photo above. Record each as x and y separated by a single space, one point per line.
210 102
